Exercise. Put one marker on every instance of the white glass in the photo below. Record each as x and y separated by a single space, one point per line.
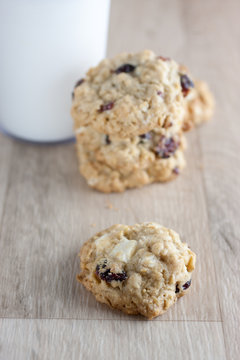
45 47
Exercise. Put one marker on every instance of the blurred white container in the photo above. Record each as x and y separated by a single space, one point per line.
45 47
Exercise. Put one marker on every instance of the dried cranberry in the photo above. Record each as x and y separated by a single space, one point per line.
186 84
105 107
146 136
126 68
187 284
79 82
109 276
177 289
107 140
176 170
163 58
166 147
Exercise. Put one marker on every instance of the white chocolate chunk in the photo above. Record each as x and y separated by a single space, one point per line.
124 250
102 243
92 181
80 130
149 260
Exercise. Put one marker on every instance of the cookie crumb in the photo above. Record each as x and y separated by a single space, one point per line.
110 206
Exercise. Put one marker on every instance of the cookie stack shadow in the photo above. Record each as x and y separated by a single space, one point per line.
130 115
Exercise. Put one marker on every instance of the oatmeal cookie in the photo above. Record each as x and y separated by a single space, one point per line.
139 269
198 105
111 164
129 95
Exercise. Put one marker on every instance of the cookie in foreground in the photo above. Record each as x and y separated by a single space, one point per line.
140 269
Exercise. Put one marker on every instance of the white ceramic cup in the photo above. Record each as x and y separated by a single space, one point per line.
46 46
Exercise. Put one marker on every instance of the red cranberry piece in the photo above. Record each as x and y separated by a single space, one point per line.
166 147
176 170
146 136
126 68
187 284
78 83
184 286
107 140
109 276
186 84
164 58
105 107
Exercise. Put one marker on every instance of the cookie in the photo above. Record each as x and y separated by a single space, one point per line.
129 95
140 269
198 105
110 164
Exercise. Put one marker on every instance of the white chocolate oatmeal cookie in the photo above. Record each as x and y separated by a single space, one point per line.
140 269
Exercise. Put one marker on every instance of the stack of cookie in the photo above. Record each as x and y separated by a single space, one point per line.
130 113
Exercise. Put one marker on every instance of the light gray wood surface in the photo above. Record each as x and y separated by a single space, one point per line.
47 212
101 339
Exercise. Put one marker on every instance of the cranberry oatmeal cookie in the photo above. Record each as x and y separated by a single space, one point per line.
129 95
198 105
140 269
111 164
129 114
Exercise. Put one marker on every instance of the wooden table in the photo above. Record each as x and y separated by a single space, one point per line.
47 212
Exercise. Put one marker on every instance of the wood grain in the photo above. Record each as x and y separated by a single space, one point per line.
47 212
118 340
5 159
220 146
48 215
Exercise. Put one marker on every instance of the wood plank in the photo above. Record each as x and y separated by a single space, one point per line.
220 147
48 215
5 156
137 24
118 340
48 211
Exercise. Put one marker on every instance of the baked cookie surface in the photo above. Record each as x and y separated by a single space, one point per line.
198 102
139 269
129 95
199 105
110 164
